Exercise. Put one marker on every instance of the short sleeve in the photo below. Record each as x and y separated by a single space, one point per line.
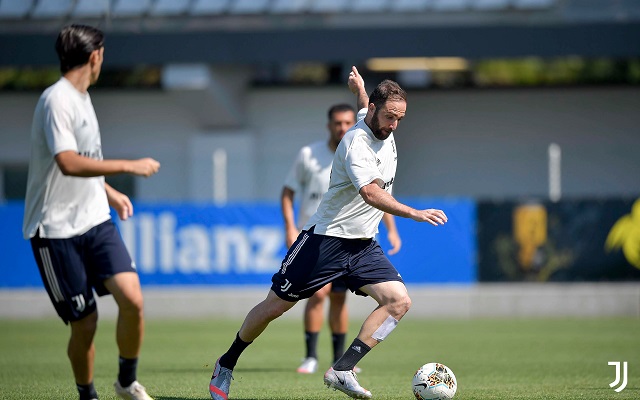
361 164
361 114
58 126
296 176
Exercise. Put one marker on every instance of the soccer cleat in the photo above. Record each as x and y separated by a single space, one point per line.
220 382
346 382
309 366
135 391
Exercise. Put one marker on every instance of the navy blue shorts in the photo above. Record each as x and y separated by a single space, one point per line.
71 269
338 286
315 260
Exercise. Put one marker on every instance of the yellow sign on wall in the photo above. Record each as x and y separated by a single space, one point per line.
625 234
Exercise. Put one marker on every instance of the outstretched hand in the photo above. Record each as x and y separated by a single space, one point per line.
432 216
145 167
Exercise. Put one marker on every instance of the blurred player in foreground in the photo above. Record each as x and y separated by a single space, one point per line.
338 243
309 179
67 218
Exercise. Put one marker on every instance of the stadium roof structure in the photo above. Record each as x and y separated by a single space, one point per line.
275 31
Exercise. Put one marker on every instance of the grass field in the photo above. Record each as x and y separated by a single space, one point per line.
492 359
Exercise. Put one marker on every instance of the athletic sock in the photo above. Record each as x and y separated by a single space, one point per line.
230 358
311 341
87 392
350 358
127 371
338 345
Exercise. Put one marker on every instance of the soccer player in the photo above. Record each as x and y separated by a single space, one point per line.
338 243
67 218
309 178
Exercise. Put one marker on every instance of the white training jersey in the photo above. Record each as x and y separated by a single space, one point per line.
63 206
309 178
359 160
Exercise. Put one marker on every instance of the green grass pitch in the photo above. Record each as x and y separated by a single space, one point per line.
511 359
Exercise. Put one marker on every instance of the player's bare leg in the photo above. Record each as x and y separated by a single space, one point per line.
254 324
262 314
313 320
339 323
81 350
393 303
338 313
125 288
314 310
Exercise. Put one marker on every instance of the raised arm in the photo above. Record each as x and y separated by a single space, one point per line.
356 85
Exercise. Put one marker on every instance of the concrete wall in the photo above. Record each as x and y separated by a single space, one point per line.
479 143
442 301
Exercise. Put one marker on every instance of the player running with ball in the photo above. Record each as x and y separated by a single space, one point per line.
338 243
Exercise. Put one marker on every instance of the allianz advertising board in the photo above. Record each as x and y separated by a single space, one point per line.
243 244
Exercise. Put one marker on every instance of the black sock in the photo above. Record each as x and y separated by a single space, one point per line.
350 358
311 341
338 345
230 358
87 392
127 371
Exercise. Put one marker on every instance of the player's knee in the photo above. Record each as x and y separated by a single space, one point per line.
275 309
85 328
321 294
316 300
132 306
407 303
400 306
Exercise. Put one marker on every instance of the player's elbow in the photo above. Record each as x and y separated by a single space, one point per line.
66 169
368 194
286 194
67 163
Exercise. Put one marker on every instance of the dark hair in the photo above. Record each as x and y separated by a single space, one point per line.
75 44
340 108
387 90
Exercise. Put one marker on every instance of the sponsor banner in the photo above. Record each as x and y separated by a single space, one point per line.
202 244
17 266
436 254
571 240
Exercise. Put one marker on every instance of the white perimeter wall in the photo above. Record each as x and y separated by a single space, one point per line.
512 300
480 143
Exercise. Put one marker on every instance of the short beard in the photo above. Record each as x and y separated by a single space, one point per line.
375 127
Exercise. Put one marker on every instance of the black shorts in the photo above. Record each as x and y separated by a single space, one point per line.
339 286
315 260
71 269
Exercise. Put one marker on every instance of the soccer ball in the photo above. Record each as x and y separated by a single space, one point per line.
434 381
